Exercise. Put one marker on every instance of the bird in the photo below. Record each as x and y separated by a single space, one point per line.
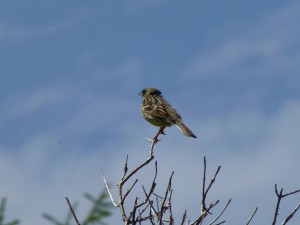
157 111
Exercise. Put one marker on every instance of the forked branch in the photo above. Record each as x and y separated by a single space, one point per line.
157 209
280 196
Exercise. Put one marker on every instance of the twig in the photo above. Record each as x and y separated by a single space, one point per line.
168 188
206 190
124 179
290 193
153 142
162 208
204 213
73 213
203 186
152 209
161 213
121 198
220 214
141 212
133 212
125 168
170 208
107 188
252 215
279 197
128 191
151 218
291 215
150 203
152 186
221 222
212 180
183 218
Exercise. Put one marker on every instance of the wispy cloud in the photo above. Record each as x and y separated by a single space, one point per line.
128 73
76 109
134 6
268 46
255 149
26 104
16 32
265 146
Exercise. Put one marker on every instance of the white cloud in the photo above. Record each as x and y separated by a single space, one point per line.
271 44
134 6
73 110
256 149
127 73
42 173
14 32
24 104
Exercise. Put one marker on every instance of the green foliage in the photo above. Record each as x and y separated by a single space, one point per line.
2 210
101 208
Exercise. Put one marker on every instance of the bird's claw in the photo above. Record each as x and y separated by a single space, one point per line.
154 140
162 132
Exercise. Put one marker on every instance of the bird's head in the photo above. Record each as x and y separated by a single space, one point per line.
149 91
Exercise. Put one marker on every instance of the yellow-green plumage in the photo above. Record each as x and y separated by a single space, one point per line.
157 111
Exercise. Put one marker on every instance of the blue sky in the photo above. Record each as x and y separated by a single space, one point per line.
70 75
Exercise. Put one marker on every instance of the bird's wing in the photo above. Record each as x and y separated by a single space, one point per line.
155 106
157 109
171 111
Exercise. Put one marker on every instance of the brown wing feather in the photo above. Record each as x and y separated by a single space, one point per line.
155 110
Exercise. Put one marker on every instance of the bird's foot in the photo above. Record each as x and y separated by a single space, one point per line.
153 140
162 132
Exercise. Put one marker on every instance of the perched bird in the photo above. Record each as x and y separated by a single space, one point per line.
157 111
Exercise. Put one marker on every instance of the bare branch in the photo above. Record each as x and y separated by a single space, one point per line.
125 168
160 212
152 209
203 185
168 188
291 193
73 213
204 213
107 188
163 207
128 191
183 218
252 215
291 214
204 189
212 180
221 222
134 212
124 179
170 207
220 214
152 186
279 197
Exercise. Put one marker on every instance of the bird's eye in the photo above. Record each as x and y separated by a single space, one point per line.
143 92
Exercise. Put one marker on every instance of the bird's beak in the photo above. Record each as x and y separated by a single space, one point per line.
140 94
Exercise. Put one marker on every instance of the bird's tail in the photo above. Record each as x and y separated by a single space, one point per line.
185 130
